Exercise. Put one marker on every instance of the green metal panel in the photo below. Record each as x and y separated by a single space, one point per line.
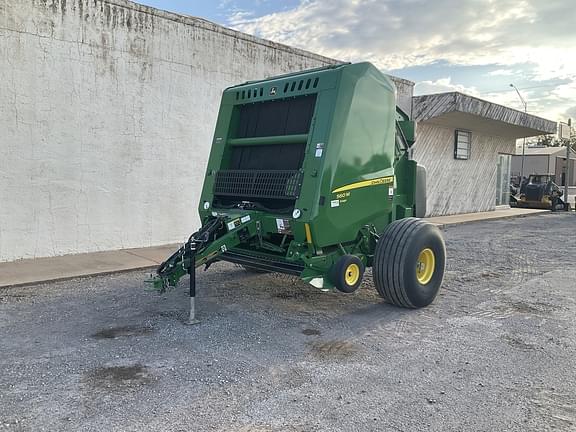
359 148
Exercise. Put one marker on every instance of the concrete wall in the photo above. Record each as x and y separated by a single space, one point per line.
107 110
459 186
560 170
554 163
533 164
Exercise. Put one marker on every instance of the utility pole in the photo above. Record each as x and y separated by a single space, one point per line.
524 141
568 170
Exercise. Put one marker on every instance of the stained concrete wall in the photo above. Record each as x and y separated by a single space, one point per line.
554 163
106 115
533 164
459 186
560 170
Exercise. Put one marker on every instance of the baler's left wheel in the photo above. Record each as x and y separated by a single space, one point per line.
347 273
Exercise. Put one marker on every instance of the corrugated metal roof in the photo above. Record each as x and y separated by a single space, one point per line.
440 107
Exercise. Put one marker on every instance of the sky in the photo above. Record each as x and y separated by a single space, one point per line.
478 47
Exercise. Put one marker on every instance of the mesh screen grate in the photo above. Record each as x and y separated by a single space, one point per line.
278 184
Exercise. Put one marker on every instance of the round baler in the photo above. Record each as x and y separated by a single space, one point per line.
311 174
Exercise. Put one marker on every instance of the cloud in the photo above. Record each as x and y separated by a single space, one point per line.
503 72
571 113
528 39
443 85
241 16
403 33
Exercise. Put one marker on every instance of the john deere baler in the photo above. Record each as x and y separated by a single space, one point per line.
310 174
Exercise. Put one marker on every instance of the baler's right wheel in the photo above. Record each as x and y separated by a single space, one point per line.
409 263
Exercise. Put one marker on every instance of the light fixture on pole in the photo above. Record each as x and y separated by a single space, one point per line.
524 141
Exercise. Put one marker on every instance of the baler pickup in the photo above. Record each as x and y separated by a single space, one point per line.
310 174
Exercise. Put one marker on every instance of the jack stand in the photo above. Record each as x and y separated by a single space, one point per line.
192 272
192 318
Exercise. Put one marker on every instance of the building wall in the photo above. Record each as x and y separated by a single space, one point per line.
533 164
107 110
459 186
554 163
560 170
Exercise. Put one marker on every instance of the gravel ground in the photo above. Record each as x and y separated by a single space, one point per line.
495 352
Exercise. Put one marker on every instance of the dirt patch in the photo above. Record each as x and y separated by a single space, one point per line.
520 307
533 308
490 274
286 295
9 298
124 331
119 377
334 349
518 343
311 332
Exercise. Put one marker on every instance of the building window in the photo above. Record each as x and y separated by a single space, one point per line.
462 142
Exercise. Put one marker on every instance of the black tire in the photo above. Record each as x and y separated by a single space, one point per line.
396 259
340 273
554 204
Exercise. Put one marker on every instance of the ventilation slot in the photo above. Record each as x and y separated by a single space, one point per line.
300 85
258 184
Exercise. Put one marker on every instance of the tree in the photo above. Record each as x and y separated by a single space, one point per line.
545 141
553 141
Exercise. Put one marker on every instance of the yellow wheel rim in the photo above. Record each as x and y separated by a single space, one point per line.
352 274
425 266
